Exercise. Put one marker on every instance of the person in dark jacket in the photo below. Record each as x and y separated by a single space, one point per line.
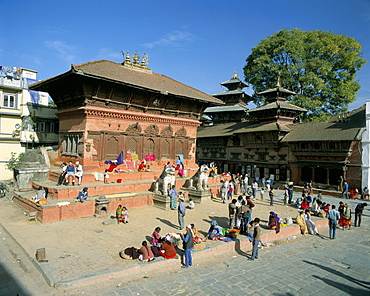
358 213
188 245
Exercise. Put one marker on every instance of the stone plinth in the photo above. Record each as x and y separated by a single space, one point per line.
199 196
162 201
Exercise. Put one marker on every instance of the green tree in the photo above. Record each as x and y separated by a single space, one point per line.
319 66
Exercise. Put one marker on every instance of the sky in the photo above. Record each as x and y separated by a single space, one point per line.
197 42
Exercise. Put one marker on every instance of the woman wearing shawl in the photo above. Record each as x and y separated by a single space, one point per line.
119 214
215 231
310 225
274 222
301 221
346 216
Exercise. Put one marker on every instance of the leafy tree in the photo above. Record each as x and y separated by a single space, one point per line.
319 66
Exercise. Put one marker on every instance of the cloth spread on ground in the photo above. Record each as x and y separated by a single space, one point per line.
63 203
98 176
130 164
201 248
228 239
123 194
150 157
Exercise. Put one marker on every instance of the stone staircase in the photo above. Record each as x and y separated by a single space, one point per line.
135 190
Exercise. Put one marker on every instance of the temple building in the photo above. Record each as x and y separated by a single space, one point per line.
271 141
107 107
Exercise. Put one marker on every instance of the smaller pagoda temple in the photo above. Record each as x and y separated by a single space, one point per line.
252 143
276 108
235 99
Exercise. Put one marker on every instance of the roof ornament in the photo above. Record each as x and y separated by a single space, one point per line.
145 60
133 62
136 58
278 82
235 76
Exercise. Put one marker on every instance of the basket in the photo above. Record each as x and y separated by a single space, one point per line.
233 233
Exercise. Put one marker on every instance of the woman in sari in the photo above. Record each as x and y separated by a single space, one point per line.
346 221
274 222
302 223
119 215
310 225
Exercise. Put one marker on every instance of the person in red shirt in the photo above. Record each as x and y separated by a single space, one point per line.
168 250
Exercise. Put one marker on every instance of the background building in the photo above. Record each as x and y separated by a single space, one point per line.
271 141
27 119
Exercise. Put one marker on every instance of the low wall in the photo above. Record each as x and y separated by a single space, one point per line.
142 268
53 213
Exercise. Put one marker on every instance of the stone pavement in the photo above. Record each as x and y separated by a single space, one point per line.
310 265
84 251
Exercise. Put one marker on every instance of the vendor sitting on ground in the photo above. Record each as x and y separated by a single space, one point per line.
215 231
142 167
196 235
40 194
82 195
168 250
146 253
274 222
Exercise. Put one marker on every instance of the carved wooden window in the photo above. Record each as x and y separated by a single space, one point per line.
111 148
149 147
131 146
70 145
165 148
179 147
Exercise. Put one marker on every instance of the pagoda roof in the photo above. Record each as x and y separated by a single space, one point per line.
219 130
277 89
253 127
234 80
277 105
230 128
226 108
117 73
229 92
343 127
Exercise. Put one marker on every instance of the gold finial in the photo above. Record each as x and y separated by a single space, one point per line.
144 60
133 62
135 58
235 75
128 59
278 83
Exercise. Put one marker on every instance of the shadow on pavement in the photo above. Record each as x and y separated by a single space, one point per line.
239 250
343 288
222 221
341 274
169 223
10 286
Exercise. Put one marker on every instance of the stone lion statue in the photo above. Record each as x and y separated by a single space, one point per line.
200 180
166 178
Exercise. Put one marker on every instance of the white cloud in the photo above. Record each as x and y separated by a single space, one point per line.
109 54
63 50
173 39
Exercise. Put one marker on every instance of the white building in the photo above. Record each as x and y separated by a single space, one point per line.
27 120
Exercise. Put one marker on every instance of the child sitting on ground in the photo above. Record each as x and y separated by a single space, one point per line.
156 237
191 204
